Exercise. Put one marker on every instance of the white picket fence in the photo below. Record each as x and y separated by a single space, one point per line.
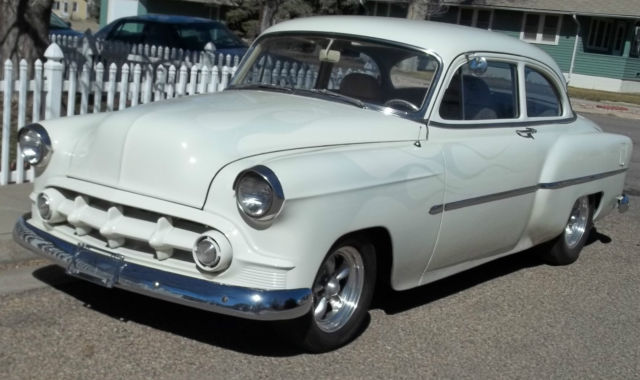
55 90
88 49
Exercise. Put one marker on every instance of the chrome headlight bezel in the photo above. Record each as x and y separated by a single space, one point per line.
35 144
261 176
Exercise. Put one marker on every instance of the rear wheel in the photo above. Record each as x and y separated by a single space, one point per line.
565 249
342 292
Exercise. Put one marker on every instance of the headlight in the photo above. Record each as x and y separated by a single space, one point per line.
259 196
35 144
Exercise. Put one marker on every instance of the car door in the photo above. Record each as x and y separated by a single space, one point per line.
492 160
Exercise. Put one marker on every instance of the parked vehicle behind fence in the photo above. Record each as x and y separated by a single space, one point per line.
58 26
180 32
348 154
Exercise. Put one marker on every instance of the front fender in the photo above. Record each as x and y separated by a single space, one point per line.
332 191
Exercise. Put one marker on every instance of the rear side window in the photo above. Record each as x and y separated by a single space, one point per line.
129 31
542 96
492 95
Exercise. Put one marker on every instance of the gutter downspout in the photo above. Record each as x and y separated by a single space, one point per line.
575 47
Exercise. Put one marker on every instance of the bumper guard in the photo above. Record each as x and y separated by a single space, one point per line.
107 269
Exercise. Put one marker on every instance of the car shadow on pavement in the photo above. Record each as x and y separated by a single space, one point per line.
393 302
597 236
267 338
246 336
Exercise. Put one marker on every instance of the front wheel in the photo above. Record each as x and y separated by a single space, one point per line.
566 248
342 292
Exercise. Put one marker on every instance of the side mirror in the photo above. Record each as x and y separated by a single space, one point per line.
478 66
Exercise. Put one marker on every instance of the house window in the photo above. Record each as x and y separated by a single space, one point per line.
606 35
66 7
480 18
390 9
599 34
541 28
56 5
635 41
75 6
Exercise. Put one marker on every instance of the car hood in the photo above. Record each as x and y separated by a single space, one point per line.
172 150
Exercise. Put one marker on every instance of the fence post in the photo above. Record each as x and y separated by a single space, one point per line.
53 70
6 122
209 56
22 116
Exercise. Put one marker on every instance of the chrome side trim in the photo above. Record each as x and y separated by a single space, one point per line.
437 209
236 301
579 180
501 123
482 199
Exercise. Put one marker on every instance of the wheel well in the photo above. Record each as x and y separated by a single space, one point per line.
381 240
595 201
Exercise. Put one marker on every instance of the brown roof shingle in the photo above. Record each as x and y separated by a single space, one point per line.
615 8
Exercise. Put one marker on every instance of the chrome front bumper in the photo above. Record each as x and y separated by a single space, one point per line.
106 269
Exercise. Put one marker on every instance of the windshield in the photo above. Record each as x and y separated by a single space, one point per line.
375 74
196 35
56 22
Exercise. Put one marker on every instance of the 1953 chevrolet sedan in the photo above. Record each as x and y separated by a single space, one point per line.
348 153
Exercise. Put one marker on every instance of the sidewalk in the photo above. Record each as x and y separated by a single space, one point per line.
14 201
622 110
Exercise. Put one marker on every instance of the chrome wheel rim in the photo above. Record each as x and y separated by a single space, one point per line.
577 224
337 288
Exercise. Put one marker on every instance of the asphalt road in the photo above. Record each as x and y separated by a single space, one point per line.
512 318
630 128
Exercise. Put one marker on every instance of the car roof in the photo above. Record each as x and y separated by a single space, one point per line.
446 40
170 19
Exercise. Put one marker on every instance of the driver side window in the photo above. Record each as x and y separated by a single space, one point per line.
411 78
490 95
356 75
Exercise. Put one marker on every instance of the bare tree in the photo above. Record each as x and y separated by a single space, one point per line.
267 13
420 9
24 29
274 11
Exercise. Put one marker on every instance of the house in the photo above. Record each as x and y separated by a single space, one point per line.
71 9
113 9
596 43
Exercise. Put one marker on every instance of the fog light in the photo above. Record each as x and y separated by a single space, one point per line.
206 252
44 206
212 252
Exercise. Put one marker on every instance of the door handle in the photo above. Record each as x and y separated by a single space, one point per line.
527 132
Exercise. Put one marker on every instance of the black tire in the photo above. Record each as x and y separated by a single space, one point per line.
333 325
565 249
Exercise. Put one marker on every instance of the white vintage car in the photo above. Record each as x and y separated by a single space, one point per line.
348 154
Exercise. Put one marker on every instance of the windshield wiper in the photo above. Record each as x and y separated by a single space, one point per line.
262 86
336 95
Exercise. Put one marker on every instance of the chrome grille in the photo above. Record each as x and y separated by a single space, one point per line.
125 226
